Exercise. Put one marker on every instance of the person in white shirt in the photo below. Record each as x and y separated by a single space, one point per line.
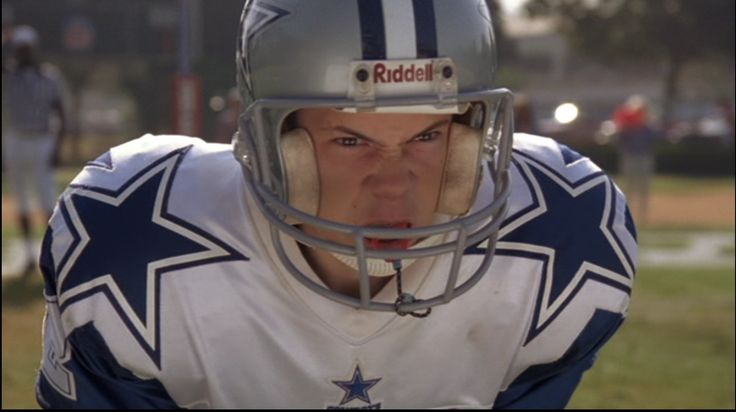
32 94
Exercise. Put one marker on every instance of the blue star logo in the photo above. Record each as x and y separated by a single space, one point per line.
357 387
124 240
569 227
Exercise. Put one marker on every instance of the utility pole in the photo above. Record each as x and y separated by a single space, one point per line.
187 110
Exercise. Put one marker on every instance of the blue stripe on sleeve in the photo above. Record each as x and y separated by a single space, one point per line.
99 380
551 385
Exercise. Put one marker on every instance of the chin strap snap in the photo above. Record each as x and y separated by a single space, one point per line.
405 298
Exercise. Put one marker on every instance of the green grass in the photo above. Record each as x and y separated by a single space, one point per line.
655 240
21 339
673 184
728 250
679 238
64 175
11 231
676 349
681 230
679 184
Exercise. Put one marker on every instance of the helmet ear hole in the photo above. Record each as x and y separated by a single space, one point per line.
462 170
300 167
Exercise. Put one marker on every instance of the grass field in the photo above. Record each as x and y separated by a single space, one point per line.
676 349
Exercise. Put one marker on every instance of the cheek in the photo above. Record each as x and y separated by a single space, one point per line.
340 180
429 164
337 169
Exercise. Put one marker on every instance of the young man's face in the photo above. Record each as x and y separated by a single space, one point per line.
377 169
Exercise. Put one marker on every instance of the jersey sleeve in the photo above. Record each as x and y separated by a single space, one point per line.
553 392
551 386
78 369
578 226
102 335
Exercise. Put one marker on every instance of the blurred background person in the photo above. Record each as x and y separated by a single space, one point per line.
524 121
227 120
33 128
724 111
636 151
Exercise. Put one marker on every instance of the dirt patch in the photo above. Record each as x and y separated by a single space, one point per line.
704 209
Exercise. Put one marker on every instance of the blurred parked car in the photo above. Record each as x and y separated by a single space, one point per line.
694 122
574 123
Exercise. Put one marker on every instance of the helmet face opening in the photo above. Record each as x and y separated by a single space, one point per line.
283 178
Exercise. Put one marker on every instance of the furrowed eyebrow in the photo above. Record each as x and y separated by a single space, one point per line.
364 137
433 126
354 133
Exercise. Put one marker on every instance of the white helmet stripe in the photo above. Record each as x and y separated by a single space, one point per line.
399 25
398 29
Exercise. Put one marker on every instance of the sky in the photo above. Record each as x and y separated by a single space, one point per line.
516 24
511 6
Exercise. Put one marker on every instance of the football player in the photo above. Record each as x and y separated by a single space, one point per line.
373 237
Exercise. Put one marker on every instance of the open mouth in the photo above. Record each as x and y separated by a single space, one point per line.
384 244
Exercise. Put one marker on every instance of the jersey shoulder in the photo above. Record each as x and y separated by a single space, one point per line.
161 189
129 158
556 156
568 215
146 221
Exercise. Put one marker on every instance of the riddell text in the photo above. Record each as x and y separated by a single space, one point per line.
402 73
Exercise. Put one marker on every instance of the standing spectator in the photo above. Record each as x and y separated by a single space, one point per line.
636 155
524 115
724 110
32 94
227 119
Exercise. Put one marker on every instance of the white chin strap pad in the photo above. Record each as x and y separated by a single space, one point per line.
459 182
302 175
462 171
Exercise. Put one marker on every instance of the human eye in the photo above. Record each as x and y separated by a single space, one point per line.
427 137
348 141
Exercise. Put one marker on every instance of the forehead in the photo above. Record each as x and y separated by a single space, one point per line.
332 118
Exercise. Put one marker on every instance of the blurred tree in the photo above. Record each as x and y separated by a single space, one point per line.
505 47
674 30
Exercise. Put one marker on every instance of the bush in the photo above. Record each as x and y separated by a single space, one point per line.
696 157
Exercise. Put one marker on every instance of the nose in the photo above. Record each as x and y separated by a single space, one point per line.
392 177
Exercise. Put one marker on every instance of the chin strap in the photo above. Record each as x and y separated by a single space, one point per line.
405 298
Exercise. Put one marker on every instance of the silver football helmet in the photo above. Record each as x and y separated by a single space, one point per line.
420 56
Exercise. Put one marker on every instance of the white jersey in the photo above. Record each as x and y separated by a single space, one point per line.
31 96
161 293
